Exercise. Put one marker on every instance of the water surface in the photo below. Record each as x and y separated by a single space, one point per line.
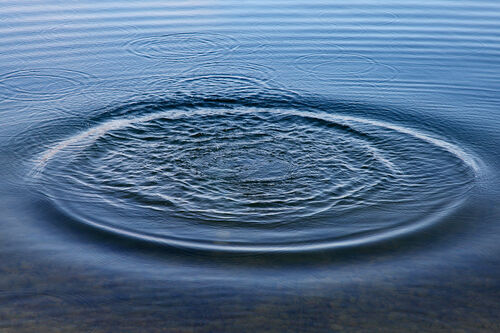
206 166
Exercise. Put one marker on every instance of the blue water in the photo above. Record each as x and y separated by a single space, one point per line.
245 167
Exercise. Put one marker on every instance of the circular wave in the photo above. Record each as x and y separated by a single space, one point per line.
180 46
257 71
345 66
43 84
220 87
249 178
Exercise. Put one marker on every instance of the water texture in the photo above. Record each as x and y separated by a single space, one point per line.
241 178
261 166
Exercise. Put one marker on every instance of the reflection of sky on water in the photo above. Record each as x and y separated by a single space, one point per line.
66 67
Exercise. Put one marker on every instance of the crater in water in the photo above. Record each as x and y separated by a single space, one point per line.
229 177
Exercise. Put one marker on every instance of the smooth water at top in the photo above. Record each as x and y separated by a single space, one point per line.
249 166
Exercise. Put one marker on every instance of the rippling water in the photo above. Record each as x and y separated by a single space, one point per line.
206 166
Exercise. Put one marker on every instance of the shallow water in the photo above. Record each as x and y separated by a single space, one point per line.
206 166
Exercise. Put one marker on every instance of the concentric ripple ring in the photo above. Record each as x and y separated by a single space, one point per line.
43 83
179 46
242 178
